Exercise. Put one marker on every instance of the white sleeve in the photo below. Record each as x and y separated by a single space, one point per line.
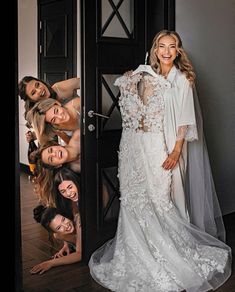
187 128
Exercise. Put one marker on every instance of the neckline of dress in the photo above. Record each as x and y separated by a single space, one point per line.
159 77
138 96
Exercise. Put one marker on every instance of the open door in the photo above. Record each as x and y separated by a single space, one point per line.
113 42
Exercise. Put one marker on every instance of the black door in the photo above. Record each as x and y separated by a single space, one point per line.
113 42
57 39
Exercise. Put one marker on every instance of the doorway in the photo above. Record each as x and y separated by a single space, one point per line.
115 36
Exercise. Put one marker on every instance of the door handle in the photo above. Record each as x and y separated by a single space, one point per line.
91 114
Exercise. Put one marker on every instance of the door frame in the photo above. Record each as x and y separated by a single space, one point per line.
18 281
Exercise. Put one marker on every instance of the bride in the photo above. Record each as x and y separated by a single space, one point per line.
156 247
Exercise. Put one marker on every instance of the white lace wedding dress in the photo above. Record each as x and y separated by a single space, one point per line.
154 249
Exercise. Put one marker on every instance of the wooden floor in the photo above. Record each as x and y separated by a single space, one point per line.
74 277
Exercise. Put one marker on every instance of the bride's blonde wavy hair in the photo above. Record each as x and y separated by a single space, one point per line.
181 62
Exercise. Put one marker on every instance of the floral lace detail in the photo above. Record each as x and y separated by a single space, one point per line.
207 262
131 269
142 111
203 259
189 133
154 248
138 191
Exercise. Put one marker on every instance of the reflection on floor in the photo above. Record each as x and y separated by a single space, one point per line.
74 277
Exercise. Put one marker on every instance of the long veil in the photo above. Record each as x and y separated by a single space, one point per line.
201 195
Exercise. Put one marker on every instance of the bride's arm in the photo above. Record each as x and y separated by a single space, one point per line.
174 156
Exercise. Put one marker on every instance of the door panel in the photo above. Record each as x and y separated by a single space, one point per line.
112 44
57 38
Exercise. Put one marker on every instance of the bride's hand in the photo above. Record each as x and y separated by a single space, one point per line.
171 160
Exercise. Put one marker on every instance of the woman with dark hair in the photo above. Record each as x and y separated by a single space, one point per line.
32 89
50 158
64 229
66 188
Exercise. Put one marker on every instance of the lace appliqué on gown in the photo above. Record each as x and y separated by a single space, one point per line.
154 248
143 112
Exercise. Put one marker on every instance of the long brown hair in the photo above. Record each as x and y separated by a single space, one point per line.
181 62
29 103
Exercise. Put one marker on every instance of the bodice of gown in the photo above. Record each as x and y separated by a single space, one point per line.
141 102
140 169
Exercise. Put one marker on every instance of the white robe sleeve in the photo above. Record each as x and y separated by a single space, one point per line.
186 125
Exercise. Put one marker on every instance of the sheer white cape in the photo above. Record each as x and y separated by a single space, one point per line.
195 197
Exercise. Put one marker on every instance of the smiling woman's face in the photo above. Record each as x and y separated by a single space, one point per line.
55 155
36 90
68 190
166 50
57 115
61 224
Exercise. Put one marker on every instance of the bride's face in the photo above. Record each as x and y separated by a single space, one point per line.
166 50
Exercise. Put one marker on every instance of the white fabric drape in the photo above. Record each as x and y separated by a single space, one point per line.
193 190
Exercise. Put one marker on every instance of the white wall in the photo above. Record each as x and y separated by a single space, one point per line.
207 29
27 55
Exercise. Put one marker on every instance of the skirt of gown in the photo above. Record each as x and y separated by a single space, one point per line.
155 249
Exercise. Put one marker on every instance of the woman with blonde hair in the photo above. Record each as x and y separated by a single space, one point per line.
32 90
49 117
156 247
50 157
181 61
192 189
